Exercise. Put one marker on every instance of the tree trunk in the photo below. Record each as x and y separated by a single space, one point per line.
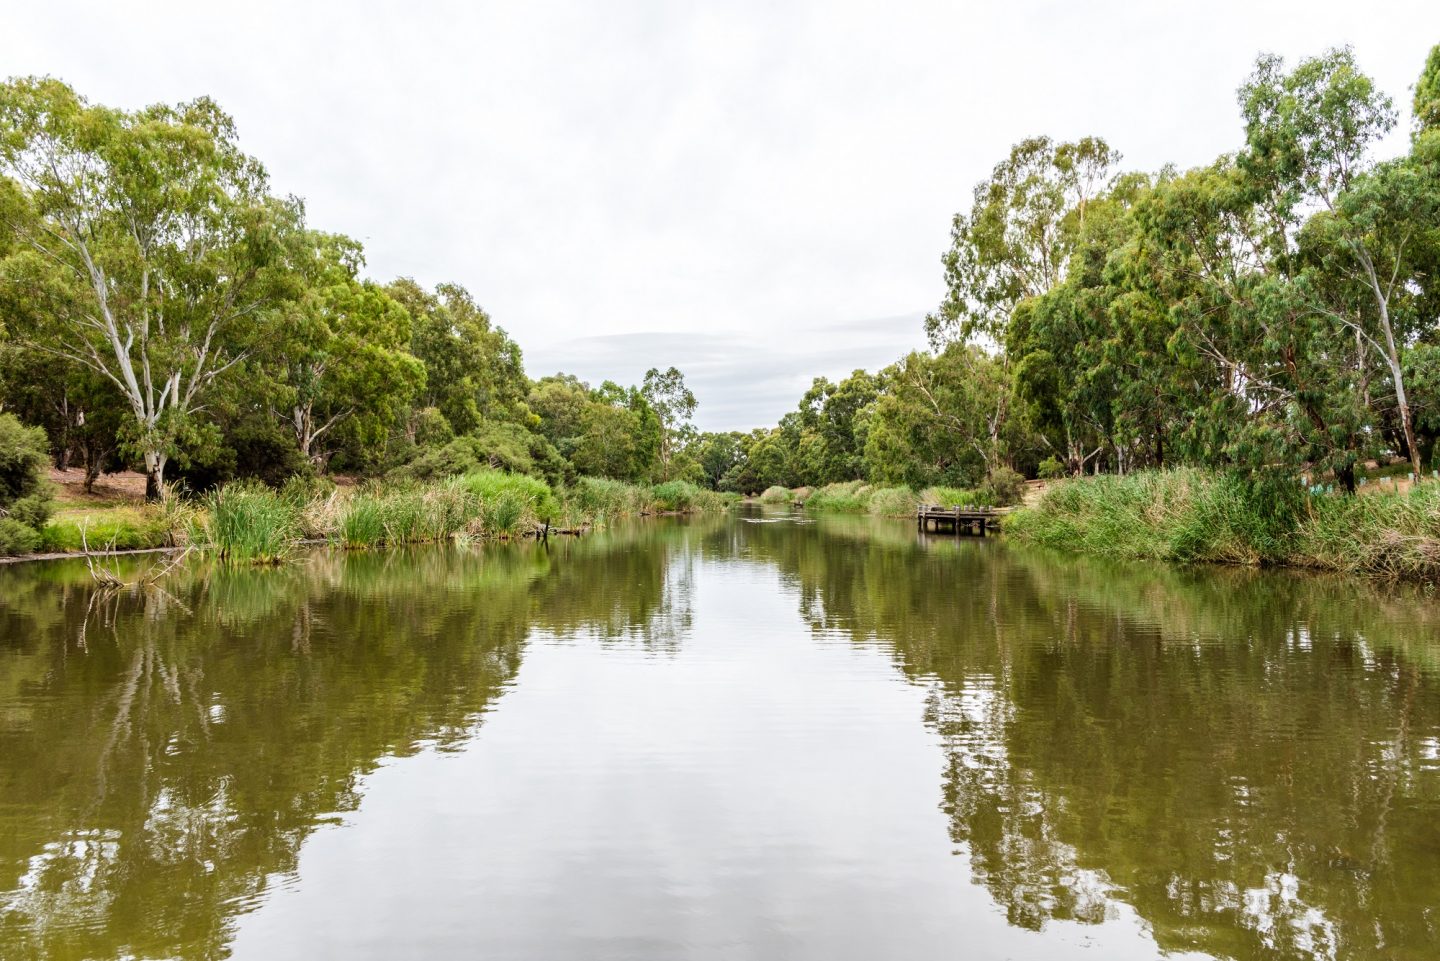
1346 476
1397 371
154 477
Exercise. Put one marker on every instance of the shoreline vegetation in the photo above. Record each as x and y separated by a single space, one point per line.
1189 515
247 522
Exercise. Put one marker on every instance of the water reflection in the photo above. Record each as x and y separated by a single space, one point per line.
166 753
1248 759
1245 765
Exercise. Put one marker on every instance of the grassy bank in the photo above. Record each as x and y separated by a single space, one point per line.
248 523
1190 516
857 497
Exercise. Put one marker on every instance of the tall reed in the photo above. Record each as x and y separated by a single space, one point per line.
248 523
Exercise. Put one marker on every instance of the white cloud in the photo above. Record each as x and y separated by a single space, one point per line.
742 170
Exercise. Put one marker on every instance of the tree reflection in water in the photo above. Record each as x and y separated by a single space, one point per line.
168 752
1247 758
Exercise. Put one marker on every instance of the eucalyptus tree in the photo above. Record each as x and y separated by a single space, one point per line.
1310 132
932 420
1279 380
674 404
1019 234
1427 94
343 353
1014 245
473 371
147 248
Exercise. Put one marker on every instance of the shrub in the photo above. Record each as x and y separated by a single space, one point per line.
25 502
1005 486
776 495
1051 468
17 538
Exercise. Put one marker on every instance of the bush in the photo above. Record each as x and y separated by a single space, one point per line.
1051 468
776 495
254 448
1005 486
25 502
17 538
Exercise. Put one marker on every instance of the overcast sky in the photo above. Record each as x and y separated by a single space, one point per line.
754 192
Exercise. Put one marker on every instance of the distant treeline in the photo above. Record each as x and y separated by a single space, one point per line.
162 309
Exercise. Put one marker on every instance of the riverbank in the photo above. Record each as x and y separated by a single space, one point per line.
1195 516
251 523
879 500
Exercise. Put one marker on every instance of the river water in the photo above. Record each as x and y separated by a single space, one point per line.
744 737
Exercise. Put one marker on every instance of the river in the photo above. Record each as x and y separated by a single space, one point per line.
755 736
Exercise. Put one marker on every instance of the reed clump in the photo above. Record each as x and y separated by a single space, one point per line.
1192 515
848 497
248 523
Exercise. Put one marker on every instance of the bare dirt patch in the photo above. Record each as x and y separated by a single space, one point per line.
124 487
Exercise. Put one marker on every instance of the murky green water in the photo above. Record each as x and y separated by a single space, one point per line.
722 738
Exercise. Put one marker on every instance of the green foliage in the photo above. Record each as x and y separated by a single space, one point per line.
508 501
848 497
958 497
1182 515
1005 487
24 490
123 529
249 447
248 523
17 538
1191 515
148 249
776 495
894 502
1427 94
675 496
473 370
1051 468
602 499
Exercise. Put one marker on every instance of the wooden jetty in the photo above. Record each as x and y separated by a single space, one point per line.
973 521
